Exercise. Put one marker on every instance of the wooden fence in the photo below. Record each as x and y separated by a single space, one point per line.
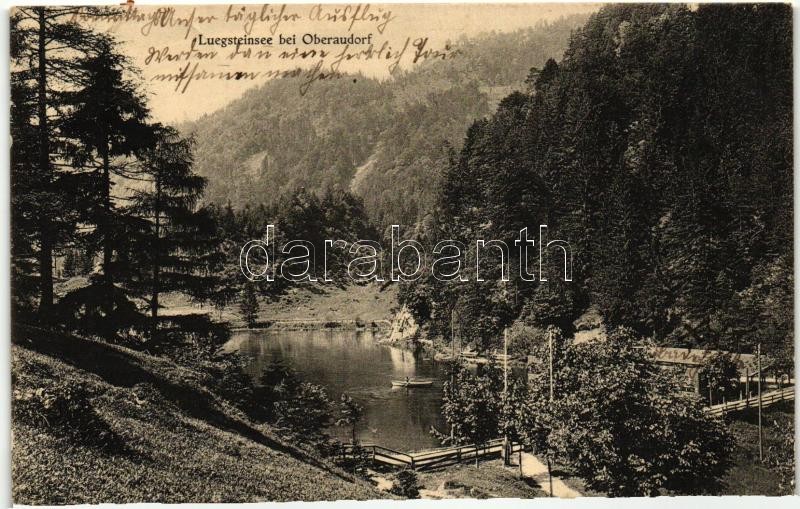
767 398
450 455
433 457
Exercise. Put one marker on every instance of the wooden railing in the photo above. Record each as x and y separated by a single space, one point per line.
434 457
767 398
456 454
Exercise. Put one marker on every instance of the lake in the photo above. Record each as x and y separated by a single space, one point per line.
352 362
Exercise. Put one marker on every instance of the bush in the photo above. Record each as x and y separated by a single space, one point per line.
639 435
406 484
189 340
355 459
301 409
781 457
305 411
232 383
94 310
524 339
552 304
721 376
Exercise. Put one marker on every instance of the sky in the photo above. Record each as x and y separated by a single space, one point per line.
156 42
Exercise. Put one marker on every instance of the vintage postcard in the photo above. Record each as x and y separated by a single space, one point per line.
311 252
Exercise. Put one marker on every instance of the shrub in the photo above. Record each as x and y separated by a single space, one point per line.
406 484
305 411
355 459
232 383
720 375
781 457
282 398
189 340
93 310
351 415
523 339
638 435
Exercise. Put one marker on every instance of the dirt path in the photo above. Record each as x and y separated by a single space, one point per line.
534 468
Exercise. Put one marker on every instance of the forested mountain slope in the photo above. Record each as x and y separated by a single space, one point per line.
660 147
384 140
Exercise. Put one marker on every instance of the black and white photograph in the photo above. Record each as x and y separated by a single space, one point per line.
339 252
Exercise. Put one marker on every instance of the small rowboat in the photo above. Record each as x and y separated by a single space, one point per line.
412 383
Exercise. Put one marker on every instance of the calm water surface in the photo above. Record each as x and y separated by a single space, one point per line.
352 362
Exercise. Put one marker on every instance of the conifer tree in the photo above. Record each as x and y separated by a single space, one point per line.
46 43
109 121
248 305
174 250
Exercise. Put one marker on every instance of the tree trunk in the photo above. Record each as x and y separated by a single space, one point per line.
550 474
156 261
108 278
45 223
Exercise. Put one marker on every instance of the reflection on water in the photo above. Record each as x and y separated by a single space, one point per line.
351 362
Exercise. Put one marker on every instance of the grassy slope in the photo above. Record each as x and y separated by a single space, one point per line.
321 302
366 303
184 443
748 476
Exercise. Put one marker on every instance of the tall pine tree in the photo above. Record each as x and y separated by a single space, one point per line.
176 246
110 121
46 44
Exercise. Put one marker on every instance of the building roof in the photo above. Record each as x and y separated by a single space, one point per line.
695 357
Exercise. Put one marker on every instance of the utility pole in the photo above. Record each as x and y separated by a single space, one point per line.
453 367
550 348
505 361
760 433
506 448
453 331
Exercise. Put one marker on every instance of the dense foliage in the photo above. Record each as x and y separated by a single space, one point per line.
618 420
299 216
472 406
721 376
94 177
660 148
44 47
406 484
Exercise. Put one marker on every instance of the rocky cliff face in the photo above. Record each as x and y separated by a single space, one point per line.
403 326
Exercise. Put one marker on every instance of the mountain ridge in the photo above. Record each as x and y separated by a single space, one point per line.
386 141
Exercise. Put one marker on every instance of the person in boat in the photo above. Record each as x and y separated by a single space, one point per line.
407 380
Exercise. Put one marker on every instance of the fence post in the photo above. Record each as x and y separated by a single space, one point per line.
747 387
